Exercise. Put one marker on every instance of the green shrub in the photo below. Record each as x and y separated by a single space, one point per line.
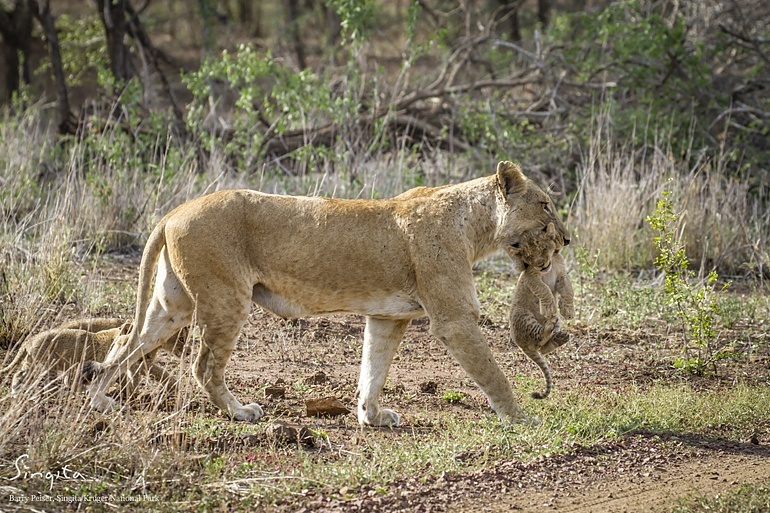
694 303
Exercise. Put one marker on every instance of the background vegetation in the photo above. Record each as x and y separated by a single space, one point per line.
116 111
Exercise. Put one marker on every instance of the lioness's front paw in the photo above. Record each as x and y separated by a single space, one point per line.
385 418
247 413
102 403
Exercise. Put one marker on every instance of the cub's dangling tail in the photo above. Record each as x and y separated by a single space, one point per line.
541 362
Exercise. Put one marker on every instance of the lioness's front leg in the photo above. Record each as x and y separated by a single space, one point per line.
381 339
464 340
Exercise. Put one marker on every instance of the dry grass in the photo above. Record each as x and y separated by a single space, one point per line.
722 218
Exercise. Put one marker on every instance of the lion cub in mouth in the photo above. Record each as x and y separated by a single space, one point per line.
535 325
42 357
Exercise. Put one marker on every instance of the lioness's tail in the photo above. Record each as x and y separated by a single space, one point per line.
150 255
541 362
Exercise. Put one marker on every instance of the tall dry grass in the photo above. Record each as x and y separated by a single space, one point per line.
51 439
723 221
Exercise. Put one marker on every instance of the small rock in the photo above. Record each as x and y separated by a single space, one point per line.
249 439
754 439
275 392
325 407
319 378
285 433
429 387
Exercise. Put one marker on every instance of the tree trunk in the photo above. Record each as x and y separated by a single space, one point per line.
42 11
16 30
544 13
511 10
294 32
113 15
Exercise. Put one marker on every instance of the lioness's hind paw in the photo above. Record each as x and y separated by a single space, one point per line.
385 418
248 413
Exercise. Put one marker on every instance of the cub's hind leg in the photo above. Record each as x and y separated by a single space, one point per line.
541 362
527 333
555 342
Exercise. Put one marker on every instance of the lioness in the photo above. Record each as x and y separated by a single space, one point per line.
535 325
391 260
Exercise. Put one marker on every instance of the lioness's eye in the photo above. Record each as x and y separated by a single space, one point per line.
547 208
515 245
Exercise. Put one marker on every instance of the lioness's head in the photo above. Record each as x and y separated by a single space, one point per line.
536 248
525 208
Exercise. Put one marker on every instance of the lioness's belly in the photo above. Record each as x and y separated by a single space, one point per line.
313 302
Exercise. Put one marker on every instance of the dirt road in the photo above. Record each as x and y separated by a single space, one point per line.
657 491
643 472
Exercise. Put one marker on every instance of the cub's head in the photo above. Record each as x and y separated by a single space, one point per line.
523 207
536 248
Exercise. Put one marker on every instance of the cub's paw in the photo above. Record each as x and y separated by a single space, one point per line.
548 309
101 402
247 413
550 327
384 418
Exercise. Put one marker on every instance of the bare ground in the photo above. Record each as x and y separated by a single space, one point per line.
637 471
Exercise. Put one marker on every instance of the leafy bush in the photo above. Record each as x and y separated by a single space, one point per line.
695 304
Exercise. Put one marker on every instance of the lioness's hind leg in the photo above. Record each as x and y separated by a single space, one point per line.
381 340
215 351
170 309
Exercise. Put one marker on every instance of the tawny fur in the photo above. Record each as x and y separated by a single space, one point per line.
535 326
43 357
391 260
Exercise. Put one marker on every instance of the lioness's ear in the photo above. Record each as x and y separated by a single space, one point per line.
510 179
550 231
